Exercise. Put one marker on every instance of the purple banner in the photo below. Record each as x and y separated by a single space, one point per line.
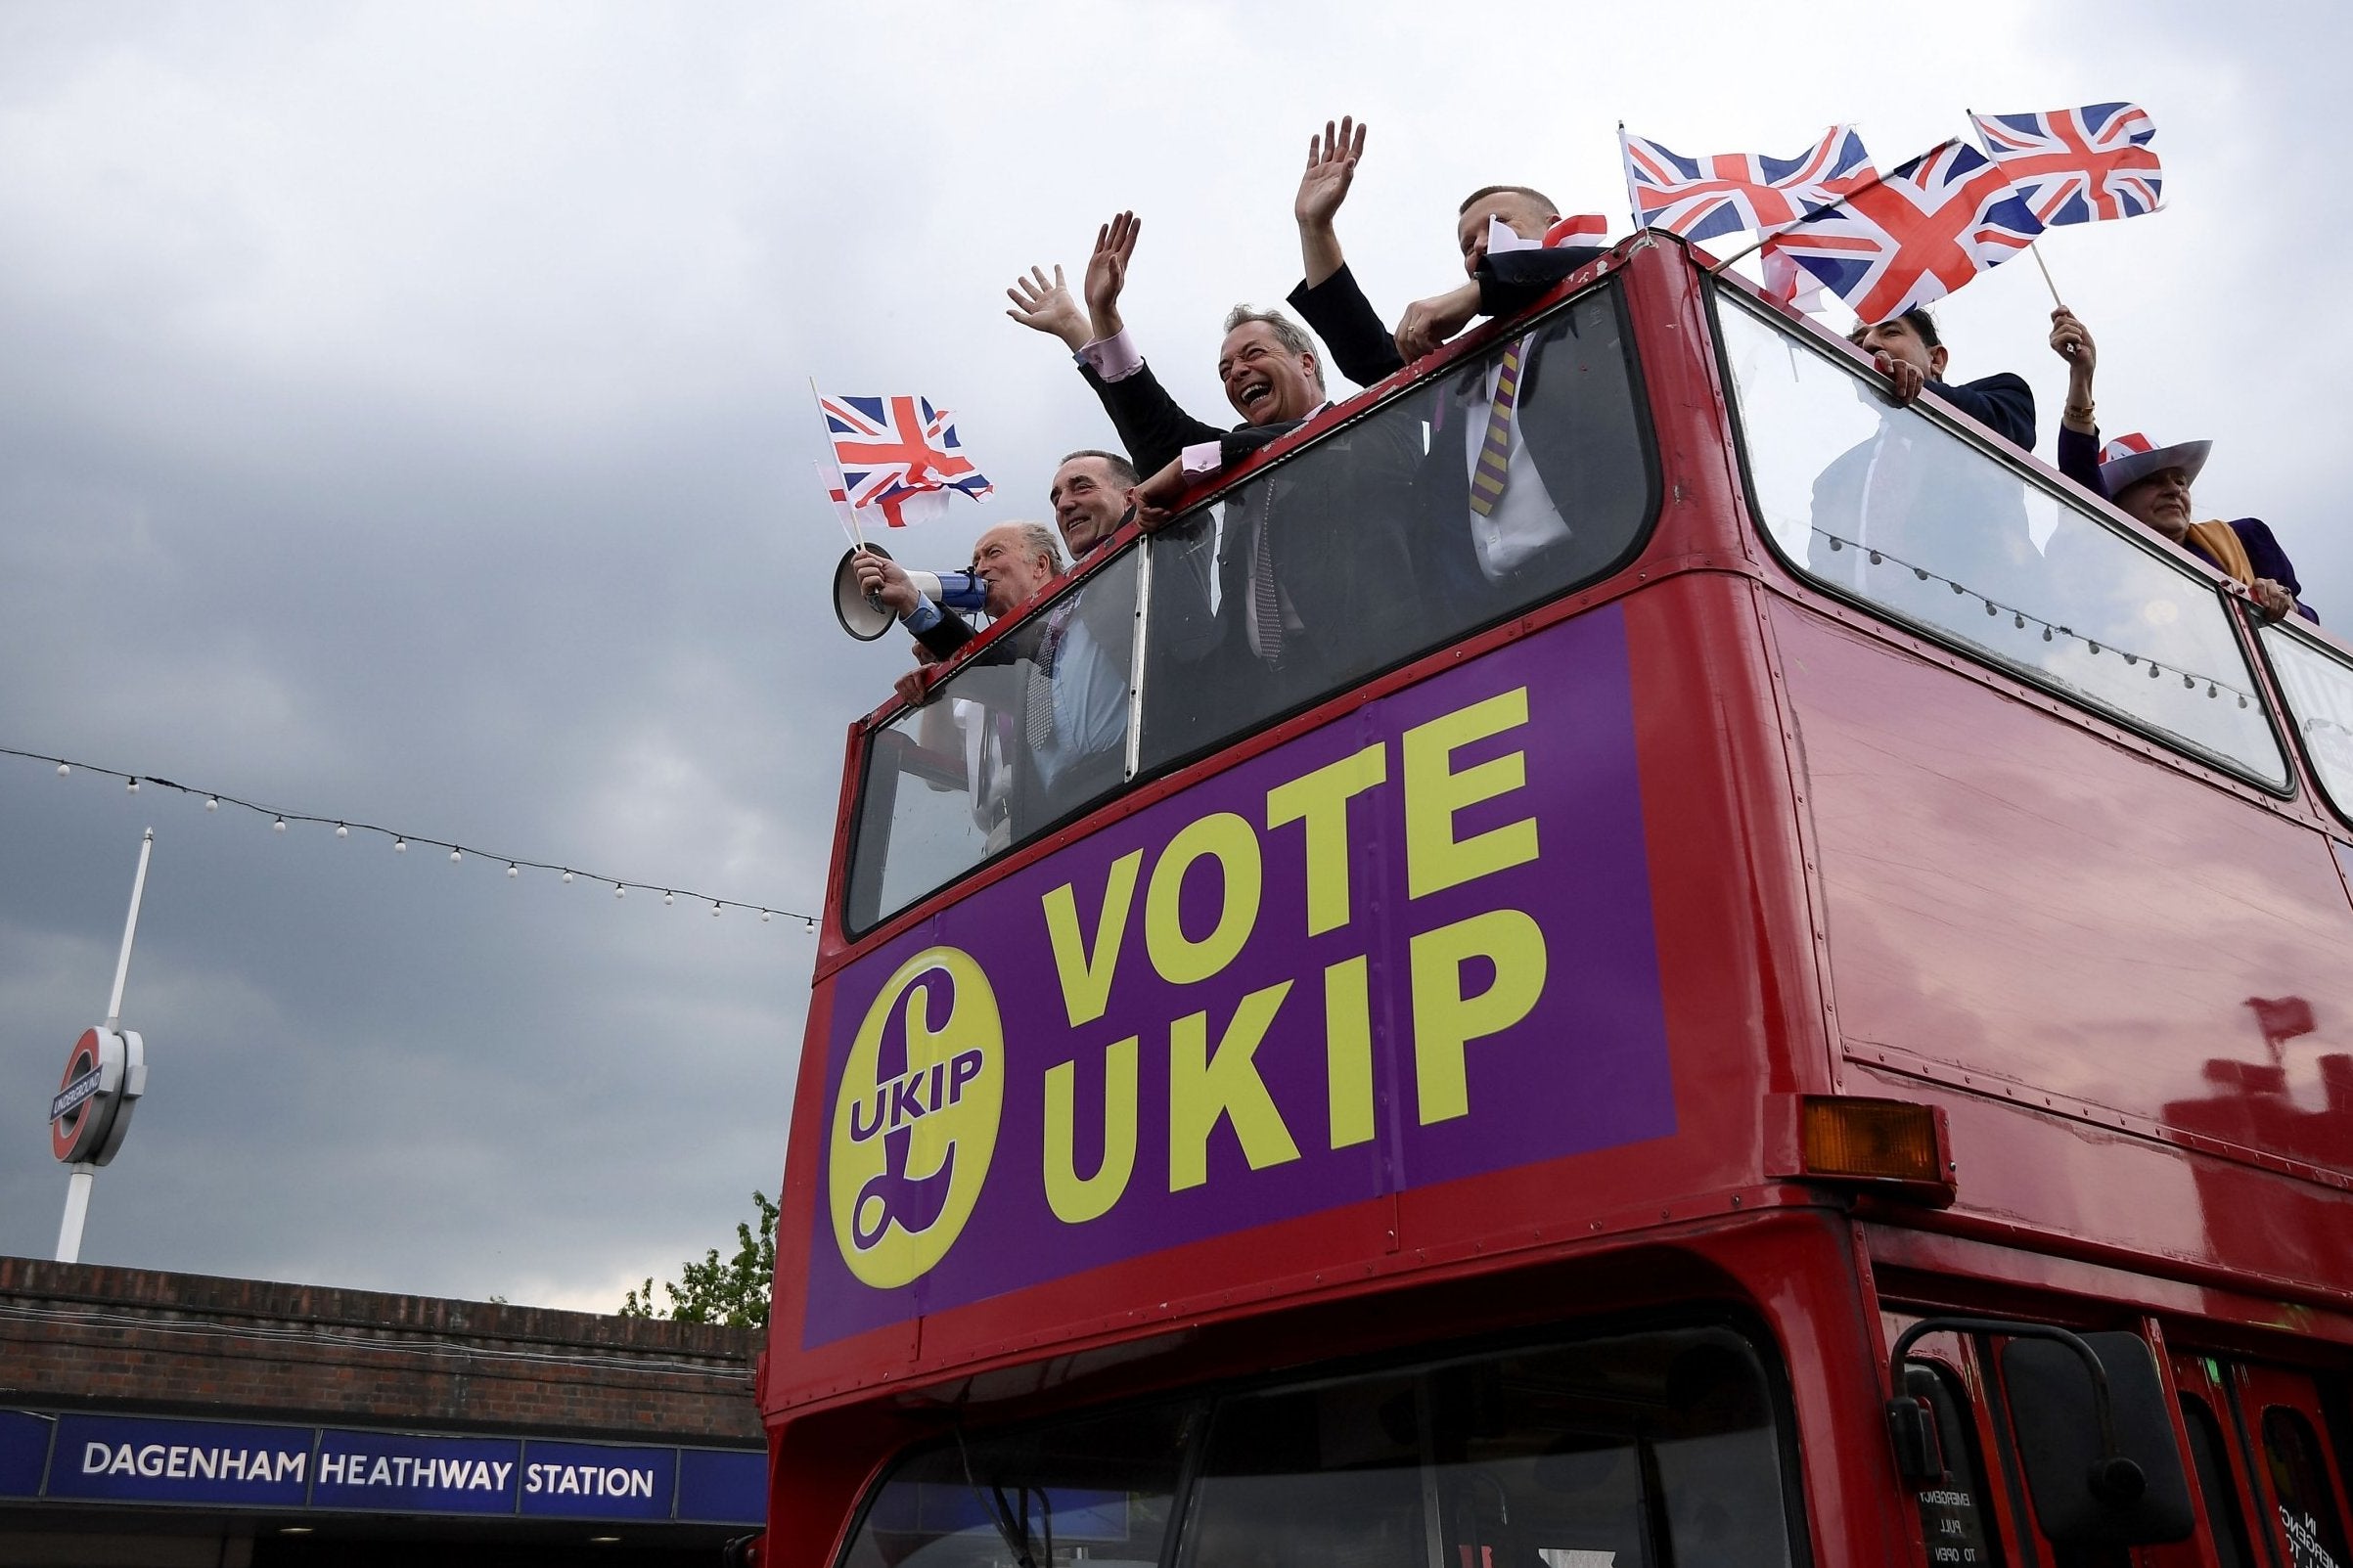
1412 946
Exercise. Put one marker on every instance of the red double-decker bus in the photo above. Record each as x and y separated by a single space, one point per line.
1780 994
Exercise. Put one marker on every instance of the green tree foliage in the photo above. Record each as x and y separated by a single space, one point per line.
719 1290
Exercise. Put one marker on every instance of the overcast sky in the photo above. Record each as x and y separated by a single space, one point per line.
404 415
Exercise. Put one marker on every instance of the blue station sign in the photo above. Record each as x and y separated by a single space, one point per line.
83 1457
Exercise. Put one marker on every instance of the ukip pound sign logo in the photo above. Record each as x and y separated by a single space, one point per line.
915 1120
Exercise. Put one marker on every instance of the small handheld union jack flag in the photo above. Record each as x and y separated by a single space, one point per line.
1700 197
894 451
1916 236
2078 165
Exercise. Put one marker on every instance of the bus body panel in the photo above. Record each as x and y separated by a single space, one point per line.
2032 905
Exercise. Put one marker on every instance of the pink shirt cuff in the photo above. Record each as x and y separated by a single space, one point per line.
1202 457
1113 358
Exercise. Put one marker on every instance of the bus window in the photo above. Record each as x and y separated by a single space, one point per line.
2227 1525
1954 1517
1326 1474
1098 1490
2319 687
1373 545
2300 1490
1033 729
1634 1452
1896 508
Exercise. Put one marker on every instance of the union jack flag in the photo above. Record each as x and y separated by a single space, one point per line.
1585 228
1916 236
1700 197
892 450
2077 166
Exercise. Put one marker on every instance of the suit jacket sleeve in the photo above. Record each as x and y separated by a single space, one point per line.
1336 309
1510 283
2079 460
1151 426
2003 404
951 633
2263 552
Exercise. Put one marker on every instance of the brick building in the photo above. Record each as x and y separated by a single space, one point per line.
162 1418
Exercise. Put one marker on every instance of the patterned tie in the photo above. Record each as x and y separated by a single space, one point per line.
1263 598
1495 452
1038 717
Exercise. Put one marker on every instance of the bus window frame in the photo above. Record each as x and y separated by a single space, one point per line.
1417 1360
2295 628
2066 495
1606 277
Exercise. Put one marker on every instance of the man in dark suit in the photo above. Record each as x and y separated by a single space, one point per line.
1329 301
1535 469
1313 566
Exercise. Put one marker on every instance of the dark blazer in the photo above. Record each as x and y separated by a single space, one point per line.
2079 460
2003 403
1365 352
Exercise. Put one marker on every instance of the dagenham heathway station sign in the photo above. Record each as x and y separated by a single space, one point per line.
69 1457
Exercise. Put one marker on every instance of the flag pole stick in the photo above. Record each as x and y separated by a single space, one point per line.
1626 166
2035 251
1832 207
817 399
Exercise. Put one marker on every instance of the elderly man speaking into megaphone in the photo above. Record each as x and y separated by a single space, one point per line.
1042 715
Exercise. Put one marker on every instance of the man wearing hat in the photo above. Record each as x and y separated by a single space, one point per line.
2151 484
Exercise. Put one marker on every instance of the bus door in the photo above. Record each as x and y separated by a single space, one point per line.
1963 1520
1982 1509
2298 1471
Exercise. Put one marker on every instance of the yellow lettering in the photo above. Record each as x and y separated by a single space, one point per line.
1231 842
1074 1198
1348 1052
1320 799
1205 1088
1434 859
1445 1020
1086 974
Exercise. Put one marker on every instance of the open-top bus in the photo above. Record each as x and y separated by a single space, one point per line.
1806 1023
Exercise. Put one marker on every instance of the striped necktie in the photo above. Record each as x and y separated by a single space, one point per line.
1265 602
1495 452
1038 717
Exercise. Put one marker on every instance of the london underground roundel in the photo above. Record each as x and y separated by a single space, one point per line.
91 1111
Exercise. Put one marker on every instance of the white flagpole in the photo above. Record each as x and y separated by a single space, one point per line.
1625 164
857 532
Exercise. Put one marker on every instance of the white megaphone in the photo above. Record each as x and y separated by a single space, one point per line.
865 619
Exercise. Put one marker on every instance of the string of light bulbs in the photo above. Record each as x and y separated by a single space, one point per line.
346 826
2020 620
